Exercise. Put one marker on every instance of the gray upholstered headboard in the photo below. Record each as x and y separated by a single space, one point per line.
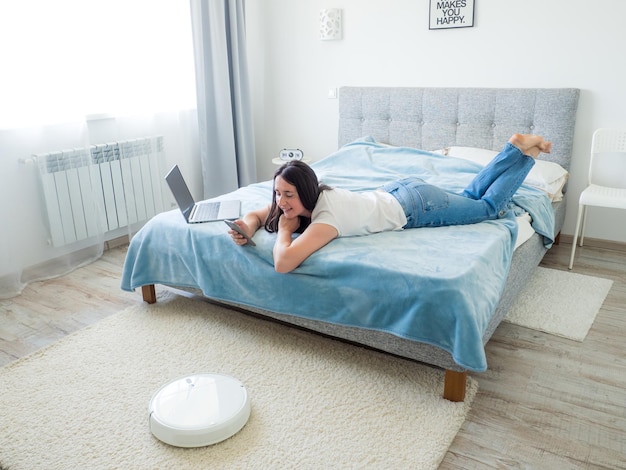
433 118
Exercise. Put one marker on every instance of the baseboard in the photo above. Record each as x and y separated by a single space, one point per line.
38 271
115 242
597 243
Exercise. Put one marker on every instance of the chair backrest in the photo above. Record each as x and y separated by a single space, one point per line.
607 166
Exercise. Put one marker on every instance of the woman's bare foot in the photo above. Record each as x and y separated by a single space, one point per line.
531 144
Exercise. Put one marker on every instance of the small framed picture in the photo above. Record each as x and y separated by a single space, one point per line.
451 14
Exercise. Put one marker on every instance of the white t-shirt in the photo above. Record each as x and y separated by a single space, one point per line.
353 213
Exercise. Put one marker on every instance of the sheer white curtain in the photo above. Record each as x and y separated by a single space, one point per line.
75 74
226 133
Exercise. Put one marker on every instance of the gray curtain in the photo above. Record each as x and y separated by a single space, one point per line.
224 108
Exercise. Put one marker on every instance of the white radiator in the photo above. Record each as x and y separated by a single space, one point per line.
101 188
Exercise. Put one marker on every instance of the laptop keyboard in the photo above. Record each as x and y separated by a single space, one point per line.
207 211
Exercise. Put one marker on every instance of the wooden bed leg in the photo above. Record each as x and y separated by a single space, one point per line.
149 293
454 385
557 239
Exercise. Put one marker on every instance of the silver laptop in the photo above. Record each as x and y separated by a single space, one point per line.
204 211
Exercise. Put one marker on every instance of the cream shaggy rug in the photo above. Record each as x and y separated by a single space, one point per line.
561 303
316 402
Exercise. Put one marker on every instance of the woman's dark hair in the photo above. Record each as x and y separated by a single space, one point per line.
304 179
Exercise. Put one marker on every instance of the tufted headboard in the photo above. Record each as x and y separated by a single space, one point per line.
433 118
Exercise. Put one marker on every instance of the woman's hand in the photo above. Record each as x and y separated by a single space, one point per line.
288 225
249 223
238 238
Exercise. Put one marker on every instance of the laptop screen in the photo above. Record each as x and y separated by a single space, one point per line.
181 193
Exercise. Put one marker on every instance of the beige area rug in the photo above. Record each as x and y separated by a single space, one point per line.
561 303
316 402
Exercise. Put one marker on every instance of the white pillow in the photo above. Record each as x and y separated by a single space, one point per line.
548 176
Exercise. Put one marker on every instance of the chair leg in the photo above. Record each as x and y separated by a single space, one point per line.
582 230
581 209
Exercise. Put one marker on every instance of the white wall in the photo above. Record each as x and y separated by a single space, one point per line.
514 43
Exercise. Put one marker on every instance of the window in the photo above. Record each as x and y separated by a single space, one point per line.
65 59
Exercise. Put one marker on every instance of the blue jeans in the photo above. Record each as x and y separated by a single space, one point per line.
485 198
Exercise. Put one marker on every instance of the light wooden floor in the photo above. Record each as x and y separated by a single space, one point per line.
544 403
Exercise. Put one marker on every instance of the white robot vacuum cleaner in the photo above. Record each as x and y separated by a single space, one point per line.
199 410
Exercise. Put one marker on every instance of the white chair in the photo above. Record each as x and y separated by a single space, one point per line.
607 178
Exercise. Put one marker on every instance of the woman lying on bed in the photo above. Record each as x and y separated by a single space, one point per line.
320 213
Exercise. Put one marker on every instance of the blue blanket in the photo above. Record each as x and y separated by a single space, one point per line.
433 285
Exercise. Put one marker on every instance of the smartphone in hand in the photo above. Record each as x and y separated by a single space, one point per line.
238 229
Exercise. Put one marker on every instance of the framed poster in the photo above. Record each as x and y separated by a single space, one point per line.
451 14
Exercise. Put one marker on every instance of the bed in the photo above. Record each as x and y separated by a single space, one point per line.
434 295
